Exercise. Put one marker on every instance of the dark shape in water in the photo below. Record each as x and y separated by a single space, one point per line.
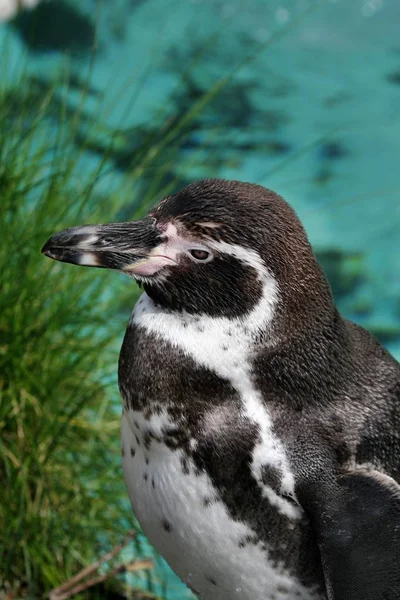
336 99
279 147
345 270
394 77
56 26
323 176
332 151
385 333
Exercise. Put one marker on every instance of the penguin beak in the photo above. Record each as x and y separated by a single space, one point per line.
130 247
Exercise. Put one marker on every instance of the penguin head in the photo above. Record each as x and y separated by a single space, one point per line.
216 248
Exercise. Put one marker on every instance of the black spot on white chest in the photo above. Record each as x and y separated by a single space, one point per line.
202 526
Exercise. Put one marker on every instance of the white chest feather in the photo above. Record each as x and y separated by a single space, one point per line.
177 507
183 518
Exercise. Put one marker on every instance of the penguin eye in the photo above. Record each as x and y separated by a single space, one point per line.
200 255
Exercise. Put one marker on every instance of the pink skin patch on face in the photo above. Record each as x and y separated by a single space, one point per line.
149 266
166 254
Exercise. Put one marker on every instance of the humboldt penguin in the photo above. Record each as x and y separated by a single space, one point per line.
260 429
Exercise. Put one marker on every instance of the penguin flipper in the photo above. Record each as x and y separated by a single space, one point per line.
359 539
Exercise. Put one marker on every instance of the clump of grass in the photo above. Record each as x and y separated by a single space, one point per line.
63 497
64 501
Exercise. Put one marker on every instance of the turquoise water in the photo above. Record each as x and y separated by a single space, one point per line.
310 107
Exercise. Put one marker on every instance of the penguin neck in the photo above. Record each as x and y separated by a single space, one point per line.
228 339
305 303
311 353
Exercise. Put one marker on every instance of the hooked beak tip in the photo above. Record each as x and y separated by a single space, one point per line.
46 249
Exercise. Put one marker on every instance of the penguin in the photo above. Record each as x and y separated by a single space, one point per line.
260 429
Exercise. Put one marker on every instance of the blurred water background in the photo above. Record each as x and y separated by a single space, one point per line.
297 95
